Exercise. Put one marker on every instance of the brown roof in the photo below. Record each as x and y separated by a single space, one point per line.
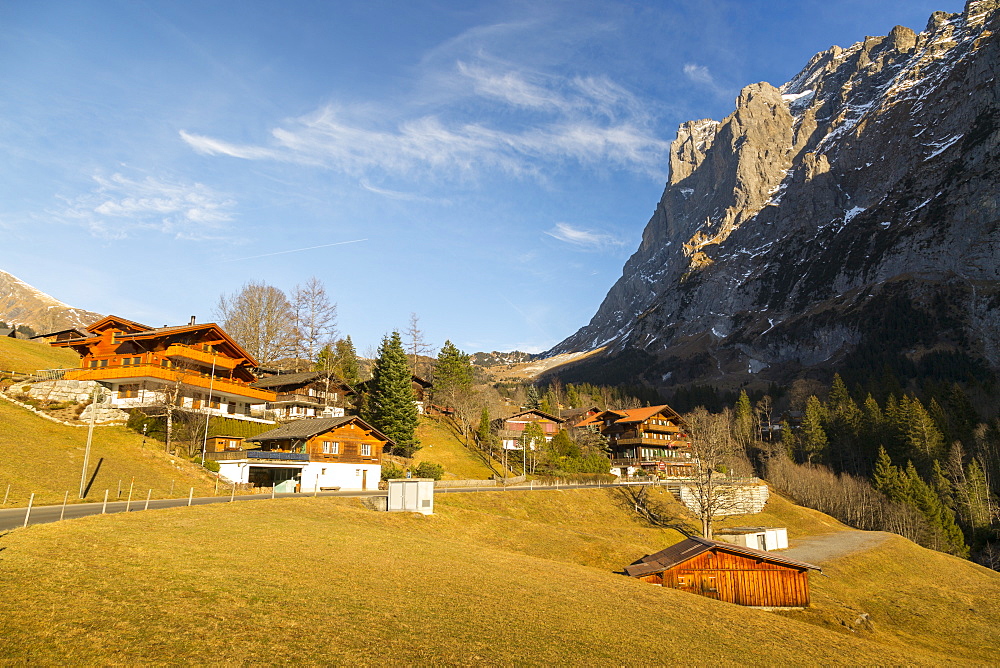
692 547
543 414
300 378
309 427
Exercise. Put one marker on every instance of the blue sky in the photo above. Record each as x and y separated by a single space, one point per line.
488 166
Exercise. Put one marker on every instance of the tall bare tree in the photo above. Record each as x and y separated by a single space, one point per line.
260 318
716 456
315 319
416 345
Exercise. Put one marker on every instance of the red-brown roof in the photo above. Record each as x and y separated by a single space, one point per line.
692 547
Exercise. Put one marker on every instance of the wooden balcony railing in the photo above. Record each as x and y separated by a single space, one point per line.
200 356
228 455
189 378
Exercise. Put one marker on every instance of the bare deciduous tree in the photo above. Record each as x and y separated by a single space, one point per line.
259 317
416 345
315 319
717 459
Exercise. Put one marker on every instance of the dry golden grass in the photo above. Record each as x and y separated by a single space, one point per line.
496 578
441 446
46 458
30 356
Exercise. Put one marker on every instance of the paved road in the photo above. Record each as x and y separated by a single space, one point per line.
820 549
14 517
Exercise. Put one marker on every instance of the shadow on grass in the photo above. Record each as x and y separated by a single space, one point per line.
97 469
636 499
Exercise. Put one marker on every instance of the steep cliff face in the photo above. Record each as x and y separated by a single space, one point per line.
21 304
850 212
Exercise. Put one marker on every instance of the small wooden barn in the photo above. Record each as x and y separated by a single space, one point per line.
728 572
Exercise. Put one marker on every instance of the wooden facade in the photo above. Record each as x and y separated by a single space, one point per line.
652 439
511 429
728 573
141 365
303 395
347 440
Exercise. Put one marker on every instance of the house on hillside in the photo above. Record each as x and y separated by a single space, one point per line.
193 367
575 416
421 392
511 429
303 395
728 572
645 440
308 455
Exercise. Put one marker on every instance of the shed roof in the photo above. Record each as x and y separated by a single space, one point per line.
309 427
692 547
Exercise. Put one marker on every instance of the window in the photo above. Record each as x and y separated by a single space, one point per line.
335 448
366 450
326 447
333 396
126 361
104 362
136 360
128 391
93 364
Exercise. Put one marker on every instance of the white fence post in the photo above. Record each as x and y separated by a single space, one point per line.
6 495
148 494
63 511
190 495
27 512
104 508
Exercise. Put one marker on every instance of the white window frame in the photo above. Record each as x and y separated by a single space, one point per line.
366 449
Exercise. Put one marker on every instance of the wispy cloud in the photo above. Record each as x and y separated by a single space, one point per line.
582 238
120 206
475 113
403 196
701 75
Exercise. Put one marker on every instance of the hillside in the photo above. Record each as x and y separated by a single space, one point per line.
46 458
846 219
22 304
523 578
31 356
440 445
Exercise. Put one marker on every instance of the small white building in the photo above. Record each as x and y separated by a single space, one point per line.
757 538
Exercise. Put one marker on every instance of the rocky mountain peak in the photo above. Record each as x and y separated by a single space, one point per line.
870 176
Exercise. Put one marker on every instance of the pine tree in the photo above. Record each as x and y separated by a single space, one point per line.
888 479
532 399
346 361
391 407
743 420
453 375
573 397
485 436
839 395
922 436
813 441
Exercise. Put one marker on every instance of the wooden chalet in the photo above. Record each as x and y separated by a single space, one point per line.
645 440
309 454
421 392
302 395
144 366
728 572
223 443
511 429
576 417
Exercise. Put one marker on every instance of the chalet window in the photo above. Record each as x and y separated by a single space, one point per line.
126 361
136 360
335 448
366 450
104 362
93 364
333 395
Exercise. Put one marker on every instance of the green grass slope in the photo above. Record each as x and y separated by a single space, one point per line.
441 446
46 458
496 578
30 356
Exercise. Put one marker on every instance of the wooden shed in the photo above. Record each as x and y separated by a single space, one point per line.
728 572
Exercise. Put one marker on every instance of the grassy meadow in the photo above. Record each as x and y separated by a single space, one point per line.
30 356
492 578
441 446
46 458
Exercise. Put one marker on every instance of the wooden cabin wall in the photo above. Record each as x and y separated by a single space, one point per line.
742 580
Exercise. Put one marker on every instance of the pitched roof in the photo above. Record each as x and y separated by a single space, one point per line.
309 427
280 379
545 415
642 414
692 547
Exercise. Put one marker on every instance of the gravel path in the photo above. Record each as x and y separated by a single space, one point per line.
819 549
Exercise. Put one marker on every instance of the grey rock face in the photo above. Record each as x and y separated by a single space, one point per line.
819 218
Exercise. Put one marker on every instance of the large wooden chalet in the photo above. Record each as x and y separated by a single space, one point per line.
307 455
645 440
728 572
302 395
145 366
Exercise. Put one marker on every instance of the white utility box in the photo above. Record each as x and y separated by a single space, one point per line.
758 538
411 495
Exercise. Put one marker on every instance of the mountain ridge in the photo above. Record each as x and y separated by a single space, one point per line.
23 304
865 183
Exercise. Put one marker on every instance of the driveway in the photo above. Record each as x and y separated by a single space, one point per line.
820 549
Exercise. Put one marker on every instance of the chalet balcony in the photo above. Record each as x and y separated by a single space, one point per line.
649 461
651 442
274 455
199 356
293 398
156 372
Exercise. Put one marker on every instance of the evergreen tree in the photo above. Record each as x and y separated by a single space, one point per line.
484 432
887 478
573 397
924 440
346 361
391 407
813 442
743 420
788 439
839 395
453 375
532 399
563 446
